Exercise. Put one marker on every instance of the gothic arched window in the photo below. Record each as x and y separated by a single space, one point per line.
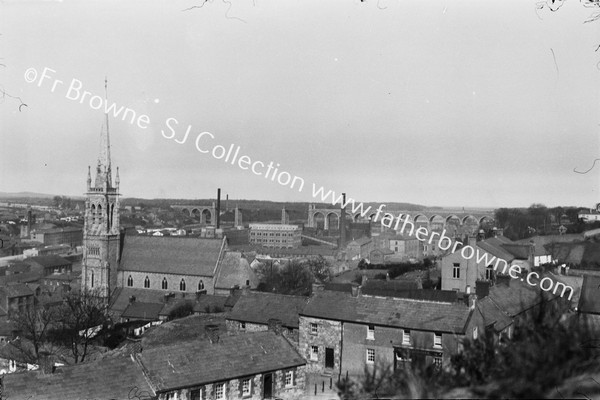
200 285
130 281
165 285
92 279
147 282
99 214
182 285
93 214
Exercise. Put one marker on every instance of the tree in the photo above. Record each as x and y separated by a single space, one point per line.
33 324
78 321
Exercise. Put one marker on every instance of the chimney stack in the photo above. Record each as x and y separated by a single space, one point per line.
212 331
218 208
343 223
356 290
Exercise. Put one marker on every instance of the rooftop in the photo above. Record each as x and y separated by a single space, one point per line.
110 378
388 311
195 363
259 307
170 255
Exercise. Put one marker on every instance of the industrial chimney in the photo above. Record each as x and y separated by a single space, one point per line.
343 222
218 208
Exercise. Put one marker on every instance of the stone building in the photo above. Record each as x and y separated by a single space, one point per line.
113 260
342 333
257 365
259 311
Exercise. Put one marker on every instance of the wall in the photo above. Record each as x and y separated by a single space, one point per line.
329 335
233 388
173 280
234 326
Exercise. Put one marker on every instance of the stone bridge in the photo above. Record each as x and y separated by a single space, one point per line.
204 214
434 220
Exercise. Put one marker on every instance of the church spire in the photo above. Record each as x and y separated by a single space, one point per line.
104 172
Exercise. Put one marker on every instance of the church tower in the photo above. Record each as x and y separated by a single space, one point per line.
101 233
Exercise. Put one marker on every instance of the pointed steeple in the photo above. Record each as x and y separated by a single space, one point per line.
103 170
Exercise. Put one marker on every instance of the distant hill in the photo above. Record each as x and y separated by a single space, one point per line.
21 195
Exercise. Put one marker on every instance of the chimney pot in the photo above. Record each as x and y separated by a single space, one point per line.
356 290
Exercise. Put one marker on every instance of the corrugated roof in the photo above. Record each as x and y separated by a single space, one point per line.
200 362
388 311
171 255
110 378
259 307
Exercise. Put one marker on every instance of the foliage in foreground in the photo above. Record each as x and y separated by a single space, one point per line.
546 353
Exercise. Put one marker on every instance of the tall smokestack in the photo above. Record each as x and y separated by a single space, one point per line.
227 202
218 208
343 222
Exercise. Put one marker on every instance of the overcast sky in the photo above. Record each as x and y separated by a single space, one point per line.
447 103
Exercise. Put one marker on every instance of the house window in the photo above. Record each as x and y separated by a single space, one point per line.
197 394
246 387
182 285
314 329
147 282
314 353
371 332
437 339
219 391
456 271
489 272
370 356
289 378
437 362
242 325
475 333
405 336
201 285
130 281
165 284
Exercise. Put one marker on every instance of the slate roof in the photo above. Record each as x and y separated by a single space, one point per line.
518 250
120 298
141 310
49 261
589 300
172 255
259 307
517 296
540 242
200 362
235 270
17 290
110 378
378 287
492 315
24 277
360 241
493 246
388 311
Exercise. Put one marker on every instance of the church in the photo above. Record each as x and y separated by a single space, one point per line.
120 267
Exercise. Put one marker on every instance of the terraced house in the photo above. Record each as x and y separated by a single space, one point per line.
342 333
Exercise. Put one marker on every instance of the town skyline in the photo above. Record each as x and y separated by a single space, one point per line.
440 117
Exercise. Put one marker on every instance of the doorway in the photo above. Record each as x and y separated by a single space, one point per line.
268 386
329 358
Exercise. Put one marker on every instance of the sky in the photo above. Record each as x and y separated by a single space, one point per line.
443 103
